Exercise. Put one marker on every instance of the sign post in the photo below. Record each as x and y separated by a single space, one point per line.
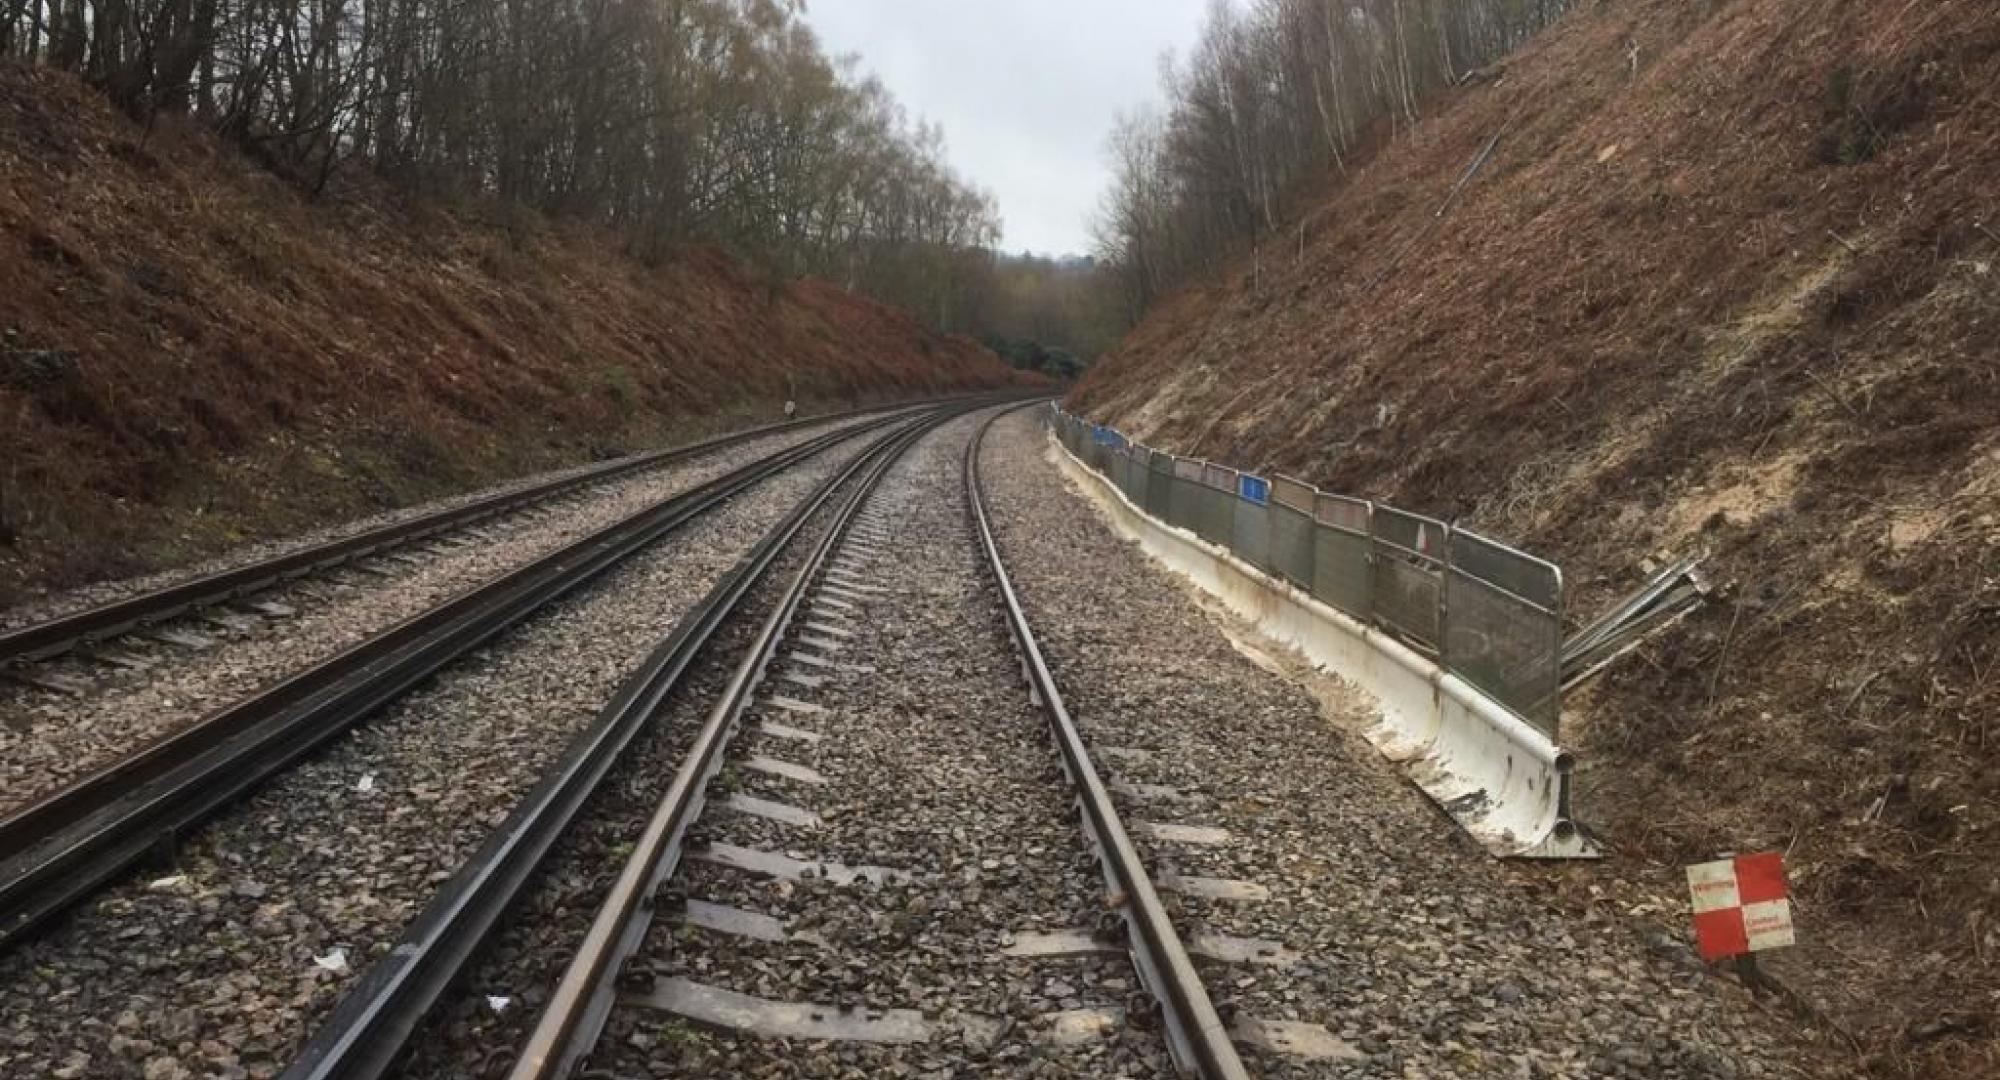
1742 907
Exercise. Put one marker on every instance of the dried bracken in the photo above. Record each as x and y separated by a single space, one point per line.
248 363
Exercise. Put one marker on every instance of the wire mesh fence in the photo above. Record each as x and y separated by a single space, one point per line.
1216 523
1487 612
1251 532
1292 530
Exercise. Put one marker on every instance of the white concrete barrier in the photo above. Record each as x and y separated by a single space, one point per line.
1499 777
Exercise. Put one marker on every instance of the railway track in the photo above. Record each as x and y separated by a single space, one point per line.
369 1030
42 639
1150 1008
823 609
829 826
66 844
1199 1040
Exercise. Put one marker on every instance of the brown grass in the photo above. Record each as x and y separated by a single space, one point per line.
1746 301
250 361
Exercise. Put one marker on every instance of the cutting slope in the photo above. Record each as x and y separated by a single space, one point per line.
1729 283
192 352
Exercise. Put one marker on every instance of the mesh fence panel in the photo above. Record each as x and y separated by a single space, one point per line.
1406 598
1159 484
1252 539
1342 573
1503 626
1292 544
1292 530
1216 522
1342 512
1409 571
1534 580
1180 502
1414 533
1507 647
1185 505
1286 491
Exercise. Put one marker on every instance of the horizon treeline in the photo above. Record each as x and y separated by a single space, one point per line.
1273 95
672 121
1053 315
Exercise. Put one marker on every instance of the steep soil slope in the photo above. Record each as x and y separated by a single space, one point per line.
192 351
1730 283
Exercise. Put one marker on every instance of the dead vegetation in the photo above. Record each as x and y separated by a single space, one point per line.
1730 282
193 352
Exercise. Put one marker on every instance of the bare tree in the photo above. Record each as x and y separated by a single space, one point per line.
677 121
1270 96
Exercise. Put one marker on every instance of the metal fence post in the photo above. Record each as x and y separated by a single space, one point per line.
1374 607
1444 601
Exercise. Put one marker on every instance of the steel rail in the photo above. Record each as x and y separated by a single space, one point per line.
574 1017
1195 1032
63 847
54 636
369 1029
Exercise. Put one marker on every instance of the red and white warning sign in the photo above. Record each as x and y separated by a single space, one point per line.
1740 905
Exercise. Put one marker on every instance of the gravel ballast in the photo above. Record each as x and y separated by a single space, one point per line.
475 1029
933 764
223 963
49 739
1422 954
105 592
943 773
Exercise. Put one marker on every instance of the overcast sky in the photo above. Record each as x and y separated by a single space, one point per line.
1026 90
